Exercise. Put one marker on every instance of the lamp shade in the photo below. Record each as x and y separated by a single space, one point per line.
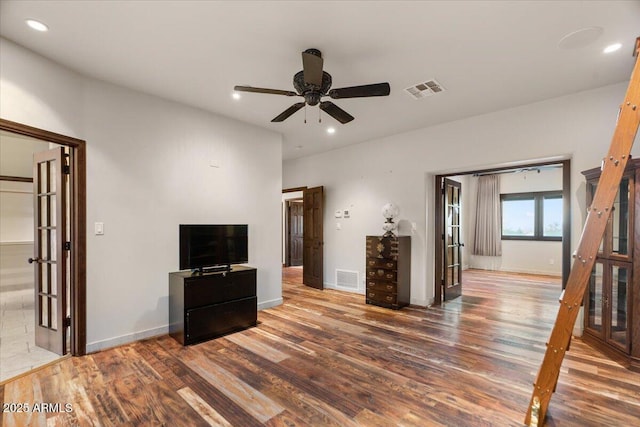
390 211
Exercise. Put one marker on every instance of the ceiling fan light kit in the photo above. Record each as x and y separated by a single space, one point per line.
312 83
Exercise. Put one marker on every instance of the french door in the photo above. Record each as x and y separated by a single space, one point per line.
51 186
451 240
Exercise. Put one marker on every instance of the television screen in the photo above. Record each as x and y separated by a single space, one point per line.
211 245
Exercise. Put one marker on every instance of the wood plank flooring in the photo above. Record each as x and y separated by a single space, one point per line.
324 358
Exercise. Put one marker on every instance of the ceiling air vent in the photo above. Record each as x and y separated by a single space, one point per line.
422 90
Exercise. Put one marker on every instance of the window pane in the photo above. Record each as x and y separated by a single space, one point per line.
552 217
518 217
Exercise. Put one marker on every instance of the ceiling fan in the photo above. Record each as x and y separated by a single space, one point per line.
312 83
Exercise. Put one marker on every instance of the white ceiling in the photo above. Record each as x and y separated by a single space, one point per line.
488 55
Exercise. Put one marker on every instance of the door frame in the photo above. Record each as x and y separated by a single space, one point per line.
566 217
78 224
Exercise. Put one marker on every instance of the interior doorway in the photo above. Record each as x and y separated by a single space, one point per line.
294 232
446 249
59 261
302 233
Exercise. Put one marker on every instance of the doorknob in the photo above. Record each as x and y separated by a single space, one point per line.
32 260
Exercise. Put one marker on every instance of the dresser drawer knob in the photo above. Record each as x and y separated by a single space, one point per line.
371 294
372 283
389 264
389 276
372 262
390 287
389 299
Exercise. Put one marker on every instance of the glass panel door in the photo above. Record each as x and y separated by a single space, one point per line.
617 306
595 299
50 273
452 286
620 220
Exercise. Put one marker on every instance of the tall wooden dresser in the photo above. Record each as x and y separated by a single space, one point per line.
612 301
388 271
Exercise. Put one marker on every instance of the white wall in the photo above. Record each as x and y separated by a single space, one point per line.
16 235
148 170
401 168
522 256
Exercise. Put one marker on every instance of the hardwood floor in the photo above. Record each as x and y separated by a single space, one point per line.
326 358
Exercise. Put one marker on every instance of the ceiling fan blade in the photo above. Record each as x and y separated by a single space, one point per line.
312 67
288 112
336 112
377 89
263 90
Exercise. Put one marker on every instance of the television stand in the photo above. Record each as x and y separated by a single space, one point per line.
209 304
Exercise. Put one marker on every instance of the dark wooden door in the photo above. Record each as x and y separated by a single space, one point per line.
296 232
313 242
452 262
50 254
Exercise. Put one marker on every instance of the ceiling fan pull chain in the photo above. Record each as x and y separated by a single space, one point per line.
305 113
319 115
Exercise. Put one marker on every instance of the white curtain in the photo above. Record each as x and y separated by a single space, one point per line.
488 231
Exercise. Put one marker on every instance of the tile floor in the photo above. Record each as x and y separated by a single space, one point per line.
18 352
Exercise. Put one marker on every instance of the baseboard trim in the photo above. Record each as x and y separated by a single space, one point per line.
341 288
271 303
150 333
126 339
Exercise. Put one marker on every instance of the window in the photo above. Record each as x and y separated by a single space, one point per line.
532 216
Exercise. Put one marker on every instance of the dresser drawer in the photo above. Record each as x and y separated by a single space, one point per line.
215 288
380 273
384 247
213 320
375 296
382 263
380 285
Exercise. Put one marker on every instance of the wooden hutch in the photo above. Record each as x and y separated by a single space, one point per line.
612 300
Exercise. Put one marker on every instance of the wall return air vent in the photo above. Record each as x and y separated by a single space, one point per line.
422 90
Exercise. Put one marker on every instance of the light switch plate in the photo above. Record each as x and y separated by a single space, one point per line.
98 228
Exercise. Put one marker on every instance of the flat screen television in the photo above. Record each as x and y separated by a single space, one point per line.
210 246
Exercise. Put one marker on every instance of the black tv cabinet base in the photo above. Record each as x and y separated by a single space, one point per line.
206 305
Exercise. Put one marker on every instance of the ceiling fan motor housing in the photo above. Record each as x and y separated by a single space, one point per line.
312 93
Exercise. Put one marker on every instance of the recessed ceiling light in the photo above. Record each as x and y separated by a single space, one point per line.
37 25
612 47
331 130
235 95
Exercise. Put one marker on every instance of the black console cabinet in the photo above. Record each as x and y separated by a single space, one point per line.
206 305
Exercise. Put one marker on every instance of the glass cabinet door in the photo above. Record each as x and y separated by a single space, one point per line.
620 220
595 299
617 305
